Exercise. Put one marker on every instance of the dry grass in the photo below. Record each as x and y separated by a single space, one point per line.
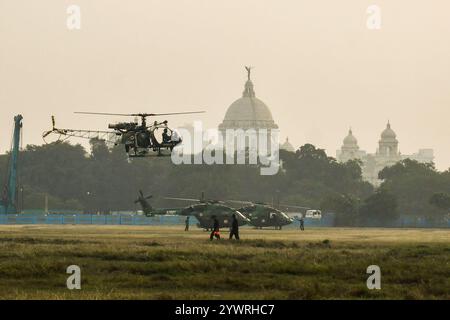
120 262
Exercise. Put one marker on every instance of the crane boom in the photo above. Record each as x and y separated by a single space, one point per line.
8 203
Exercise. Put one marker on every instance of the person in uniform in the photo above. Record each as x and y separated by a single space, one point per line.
215 230
234 230
187 224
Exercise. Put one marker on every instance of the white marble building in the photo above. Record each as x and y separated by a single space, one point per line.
249 112
386 155
287 146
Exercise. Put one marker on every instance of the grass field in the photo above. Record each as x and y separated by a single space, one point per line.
121 262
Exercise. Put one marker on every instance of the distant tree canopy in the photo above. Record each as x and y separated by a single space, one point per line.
379 208
413 184
312 176
345 206
105 180
441 200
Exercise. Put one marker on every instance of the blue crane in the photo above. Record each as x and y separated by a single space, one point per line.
9 197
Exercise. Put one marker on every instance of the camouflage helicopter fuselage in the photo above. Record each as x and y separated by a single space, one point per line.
205 211
262 216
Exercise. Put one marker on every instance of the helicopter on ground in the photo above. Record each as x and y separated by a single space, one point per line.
149 211
259 215
263 215
142 200
203 211
139 139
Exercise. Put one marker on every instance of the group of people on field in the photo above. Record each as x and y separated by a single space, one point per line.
215 233
234 229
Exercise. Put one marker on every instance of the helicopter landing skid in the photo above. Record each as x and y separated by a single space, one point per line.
151 153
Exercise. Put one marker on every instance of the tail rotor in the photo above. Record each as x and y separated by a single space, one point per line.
143 201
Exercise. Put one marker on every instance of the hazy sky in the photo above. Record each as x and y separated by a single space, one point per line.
317 66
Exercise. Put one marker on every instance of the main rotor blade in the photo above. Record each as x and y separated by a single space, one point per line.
139 114
239 201
182 199
105 114
166 114
295 207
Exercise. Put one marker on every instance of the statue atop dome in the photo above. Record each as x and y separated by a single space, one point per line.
249 70
248 112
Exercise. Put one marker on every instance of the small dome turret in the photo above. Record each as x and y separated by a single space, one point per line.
350 139
388 133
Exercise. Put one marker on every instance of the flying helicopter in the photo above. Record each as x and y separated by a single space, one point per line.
139 139
203 211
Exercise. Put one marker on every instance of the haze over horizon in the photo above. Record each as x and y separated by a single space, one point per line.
317 66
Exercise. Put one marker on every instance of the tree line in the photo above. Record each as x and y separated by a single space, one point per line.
105 180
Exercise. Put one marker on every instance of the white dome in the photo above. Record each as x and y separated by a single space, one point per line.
388 133
248 109
350 139
248 112
287 146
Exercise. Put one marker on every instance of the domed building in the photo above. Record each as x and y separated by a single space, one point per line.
248 112
386 155
350 149
388 144
287 146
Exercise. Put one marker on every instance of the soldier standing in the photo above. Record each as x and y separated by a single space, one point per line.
234 231
187 224
215 230
302 224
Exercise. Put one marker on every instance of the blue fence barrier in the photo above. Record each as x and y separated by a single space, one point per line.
412 222
125 219
116 219
328 220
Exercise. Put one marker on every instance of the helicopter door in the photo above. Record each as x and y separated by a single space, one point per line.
143 140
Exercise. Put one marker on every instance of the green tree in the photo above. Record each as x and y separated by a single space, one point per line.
346 208
441 200
380 208
413 184
105 180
